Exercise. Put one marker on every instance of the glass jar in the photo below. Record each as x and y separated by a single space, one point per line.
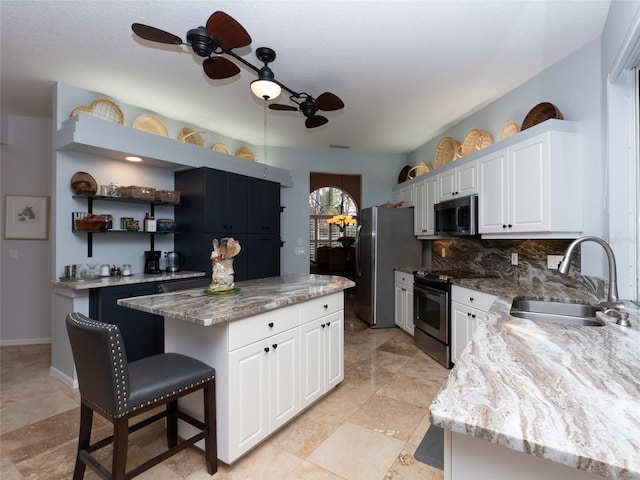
126 269
105 270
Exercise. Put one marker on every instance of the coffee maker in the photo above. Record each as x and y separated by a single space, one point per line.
152 261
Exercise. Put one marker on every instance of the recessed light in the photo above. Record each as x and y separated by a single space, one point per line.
133 159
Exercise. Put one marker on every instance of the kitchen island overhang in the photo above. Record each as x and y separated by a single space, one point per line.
277 346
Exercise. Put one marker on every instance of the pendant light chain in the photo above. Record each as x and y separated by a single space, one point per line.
264 145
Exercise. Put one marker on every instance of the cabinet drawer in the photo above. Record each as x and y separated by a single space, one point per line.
319 307
249 330
406 278
472 298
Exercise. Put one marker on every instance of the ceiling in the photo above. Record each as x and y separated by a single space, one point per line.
406 70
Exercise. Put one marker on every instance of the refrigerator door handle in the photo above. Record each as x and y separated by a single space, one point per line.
357 251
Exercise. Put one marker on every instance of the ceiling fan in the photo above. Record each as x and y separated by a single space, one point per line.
309 107
220 36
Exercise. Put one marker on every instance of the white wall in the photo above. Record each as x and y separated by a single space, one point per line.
379 175
25 282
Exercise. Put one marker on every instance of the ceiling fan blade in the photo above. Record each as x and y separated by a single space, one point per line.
155 34
315 121
279 106
227 31
219 68
328 102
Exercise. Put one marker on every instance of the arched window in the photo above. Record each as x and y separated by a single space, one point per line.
324 204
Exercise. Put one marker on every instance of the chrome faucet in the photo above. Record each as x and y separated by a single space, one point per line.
563 267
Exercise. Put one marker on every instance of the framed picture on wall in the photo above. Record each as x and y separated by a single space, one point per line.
26 217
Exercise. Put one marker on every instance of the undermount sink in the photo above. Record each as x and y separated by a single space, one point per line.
556 312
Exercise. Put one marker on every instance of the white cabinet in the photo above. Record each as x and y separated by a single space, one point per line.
426 196
405 195
458 182
264 380
468 309
269 367
403 291
534 186
321 356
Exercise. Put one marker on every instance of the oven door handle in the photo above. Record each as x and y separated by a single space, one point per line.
429 290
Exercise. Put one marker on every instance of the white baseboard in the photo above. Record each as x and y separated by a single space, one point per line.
24 341
63 377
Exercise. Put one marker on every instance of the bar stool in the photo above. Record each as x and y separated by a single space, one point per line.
119 390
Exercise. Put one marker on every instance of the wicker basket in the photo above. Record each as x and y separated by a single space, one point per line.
246 153
90 225
188 135
102 108
510 129
540 113
446 151
168 196
140 193
474 141
418 170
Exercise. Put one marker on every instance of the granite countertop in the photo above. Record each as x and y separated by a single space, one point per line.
565 393
100 282
254 297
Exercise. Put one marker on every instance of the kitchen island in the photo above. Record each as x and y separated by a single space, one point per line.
533 400
277 345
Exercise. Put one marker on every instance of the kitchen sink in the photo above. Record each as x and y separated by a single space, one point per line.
556 312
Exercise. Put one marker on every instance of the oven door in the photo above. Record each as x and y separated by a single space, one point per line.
431 311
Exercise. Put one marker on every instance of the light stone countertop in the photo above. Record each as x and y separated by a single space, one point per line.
255 297
101 282
565 393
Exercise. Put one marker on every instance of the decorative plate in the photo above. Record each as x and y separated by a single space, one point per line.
83 184
222 293
151 124
246 153
220 147
404 174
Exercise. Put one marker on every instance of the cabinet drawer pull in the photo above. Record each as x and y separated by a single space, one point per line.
468 314
328 324
270 324
266 349
322 325
473 316
471 299
326 306
275 345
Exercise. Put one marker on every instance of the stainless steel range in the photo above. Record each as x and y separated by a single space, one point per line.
432 311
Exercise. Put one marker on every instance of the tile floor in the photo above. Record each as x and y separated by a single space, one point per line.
367 429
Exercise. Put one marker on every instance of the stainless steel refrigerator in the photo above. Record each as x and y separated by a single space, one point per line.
384 241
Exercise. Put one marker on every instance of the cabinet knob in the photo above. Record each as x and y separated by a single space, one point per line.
325 306
270 324
322 325
473 316
471 299
504 226
275 345
266 349
468 314
509 225
328 324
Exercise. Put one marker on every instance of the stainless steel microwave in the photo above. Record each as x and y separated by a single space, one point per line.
457 217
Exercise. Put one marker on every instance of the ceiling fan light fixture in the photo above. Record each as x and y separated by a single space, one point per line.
265 87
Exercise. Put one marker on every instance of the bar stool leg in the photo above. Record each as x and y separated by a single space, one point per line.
172 424
210 442
120 446
84 438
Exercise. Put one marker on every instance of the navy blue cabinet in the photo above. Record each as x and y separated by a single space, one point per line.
143 333
218 204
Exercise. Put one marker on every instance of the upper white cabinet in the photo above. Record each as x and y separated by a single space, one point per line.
529 185
426 196
532 187
458 182
404 195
